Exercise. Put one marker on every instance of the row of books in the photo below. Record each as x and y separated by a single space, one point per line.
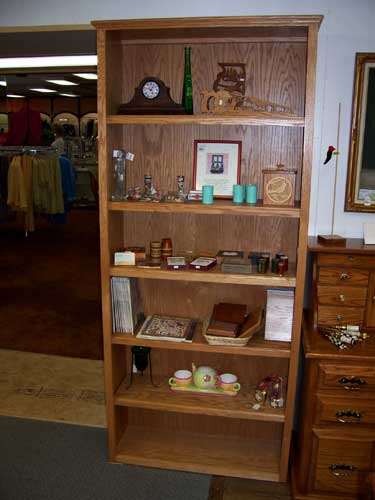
125 304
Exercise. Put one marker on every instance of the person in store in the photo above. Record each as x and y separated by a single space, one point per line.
59 142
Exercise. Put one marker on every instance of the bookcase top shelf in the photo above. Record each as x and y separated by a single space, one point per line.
182 27
219 207
257 346
213 275
257 119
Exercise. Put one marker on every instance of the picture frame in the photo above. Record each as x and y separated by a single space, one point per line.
217 163
360 182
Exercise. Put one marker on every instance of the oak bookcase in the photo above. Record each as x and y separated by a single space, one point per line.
149 425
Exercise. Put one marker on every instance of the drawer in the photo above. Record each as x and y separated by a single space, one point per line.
346 377
351 410
347 260
341 461
343 295
341 276
330 315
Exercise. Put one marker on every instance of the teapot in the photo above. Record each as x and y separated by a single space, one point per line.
205 377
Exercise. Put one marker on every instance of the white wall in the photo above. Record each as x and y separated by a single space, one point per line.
348 27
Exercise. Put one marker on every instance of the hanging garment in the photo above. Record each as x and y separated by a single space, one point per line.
17 197
25 128
4 167
68 182
20 188
47 186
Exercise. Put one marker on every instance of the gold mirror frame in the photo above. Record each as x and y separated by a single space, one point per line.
354 200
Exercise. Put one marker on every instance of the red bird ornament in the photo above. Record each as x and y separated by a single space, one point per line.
330 151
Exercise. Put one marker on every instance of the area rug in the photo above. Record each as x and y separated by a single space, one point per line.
51 461
55 388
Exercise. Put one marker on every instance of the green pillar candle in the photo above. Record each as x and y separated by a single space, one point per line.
207 195
238 193
251 193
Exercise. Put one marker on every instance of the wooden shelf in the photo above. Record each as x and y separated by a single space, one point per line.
258 119
200 452
213 275
219 207
146 396
257 346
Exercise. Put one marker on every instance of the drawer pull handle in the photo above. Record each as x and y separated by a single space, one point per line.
352 383
342 470
339 317
373 299
341 297
344 276
350 257
348 416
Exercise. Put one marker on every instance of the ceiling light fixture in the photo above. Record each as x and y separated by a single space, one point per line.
69 95
15 96
44 91
61 82
87 76
47 62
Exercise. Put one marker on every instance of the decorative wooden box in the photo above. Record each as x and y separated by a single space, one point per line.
279 186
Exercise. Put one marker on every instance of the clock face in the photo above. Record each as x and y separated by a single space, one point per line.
150 89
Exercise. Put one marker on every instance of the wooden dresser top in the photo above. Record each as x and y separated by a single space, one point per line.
353 245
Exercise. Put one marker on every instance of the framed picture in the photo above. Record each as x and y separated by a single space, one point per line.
217 163
360 182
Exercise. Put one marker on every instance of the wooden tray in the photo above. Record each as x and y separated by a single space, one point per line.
194 389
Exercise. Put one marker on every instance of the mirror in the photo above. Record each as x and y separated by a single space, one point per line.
360 185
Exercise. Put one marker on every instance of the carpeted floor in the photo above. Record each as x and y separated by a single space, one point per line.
50 287
51 461
70 390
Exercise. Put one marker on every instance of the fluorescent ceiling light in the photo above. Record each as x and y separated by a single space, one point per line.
61 82
44 91
47 62
15 95
69 95
87 76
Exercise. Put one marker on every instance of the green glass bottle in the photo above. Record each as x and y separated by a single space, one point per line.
187 93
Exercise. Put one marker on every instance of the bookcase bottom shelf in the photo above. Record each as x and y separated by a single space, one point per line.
198 452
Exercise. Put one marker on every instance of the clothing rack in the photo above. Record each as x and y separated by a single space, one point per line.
27 149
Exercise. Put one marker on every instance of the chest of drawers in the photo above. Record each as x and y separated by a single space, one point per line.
334 450
344 286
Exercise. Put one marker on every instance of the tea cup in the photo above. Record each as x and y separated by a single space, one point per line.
229 382
181 378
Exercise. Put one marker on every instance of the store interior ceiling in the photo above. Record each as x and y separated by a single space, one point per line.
47 43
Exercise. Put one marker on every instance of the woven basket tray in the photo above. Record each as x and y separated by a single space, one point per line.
241 340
